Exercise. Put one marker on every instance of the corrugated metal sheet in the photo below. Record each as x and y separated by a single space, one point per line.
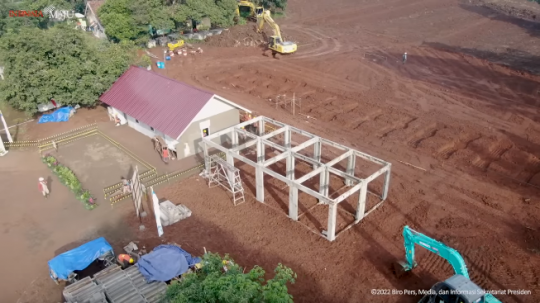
84 291
117 285
165 104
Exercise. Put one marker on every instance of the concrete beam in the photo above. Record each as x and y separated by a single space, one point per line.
300 187
370 158
305 144
334 144
344 175
246 133
311 174
274 133
340 158
245 145
332 219
274 145
277 158
349 193
376 174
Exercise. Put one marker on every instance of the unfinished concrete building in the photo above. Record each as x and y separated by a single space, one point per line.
270 142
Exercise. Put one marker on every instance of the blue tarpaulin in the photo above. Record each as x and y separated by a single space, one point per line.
165 262
78 258
59 115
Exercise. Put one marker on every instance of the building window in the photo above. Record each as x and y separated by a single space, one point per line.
136 120
151 128
205 132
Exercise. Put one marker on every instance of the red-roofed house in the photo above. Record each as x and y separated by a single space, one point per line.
159 106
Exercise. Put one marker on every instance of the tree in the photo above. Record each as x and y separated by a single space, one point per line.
59 63
129 19
213 284
274 4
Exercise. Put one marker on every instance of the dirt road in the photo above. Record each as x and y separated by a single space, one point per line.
470 123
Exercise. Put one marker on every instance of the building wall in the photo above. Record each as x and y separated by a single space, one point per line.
188 144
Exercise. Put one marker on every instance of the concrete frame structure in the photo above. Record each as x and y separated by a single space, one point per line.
290 154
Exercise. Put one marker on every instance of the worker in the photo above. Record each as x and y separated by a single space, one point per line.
404 57
165 154
125 186
125 260
43 187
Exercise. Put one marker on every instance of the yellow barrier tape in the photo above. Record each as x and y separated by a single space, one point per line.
70 138
67 132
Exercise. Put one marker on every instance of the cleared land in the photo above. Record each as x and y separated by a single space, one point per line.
459 108
471 123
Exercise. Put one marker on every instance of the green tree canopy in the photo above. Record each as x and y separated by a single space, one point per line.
59 63
213 284
129 19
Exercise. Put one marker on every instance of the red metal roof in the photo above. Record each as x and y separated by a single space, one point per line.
165 104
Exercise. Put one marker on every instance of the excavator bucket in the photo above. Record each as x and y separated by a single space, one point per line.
400 269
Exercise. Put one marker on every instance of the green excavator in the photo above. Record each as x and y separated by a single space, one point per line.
457 289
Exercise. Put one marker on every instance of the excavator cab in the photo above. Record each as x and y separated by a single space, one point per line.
456 289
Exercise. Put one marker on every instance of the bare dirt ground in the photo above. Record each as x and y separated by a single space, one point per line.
463 107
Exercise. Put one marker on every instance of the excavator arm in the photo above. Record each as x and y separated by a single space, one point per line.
264 16
451 255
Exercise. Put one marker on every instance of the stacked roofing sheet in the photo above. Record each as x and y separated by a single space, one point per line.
115 285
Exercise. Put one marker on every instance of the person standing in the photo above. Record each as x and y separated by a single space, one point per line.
125 186
43 187
404 57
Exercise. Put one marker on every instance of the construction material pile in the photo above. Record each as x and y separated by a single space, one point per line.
241 35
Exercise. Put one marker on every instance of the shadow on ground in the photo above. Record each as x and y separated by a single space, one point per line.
196 234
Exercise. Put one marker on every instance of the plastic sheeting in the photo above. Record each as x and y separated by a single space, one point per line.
78 258
165 262
59 115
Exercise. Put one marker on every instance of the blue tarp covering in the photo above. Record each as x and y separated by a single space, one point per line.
59 115
78 258
165 262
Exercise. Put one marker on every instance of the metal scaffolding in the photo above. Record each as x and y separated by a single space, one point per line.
291 154
226 175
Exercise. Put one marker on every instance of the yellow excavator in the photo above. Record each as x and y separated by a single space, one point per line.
247 10
276 45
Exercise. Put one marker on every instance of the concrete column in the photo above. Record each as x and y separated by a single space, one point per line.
350 169
234 140
317 148
206 159
287 140
290 167
386 183
260 151
259 180
230 174
324 183
293 202
332 219
361 208
261 128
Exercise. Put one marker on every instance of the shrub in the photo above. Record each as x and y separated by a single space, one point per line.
68 178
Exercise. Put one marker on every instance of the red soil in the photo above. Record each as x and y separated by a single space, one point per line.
470 123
